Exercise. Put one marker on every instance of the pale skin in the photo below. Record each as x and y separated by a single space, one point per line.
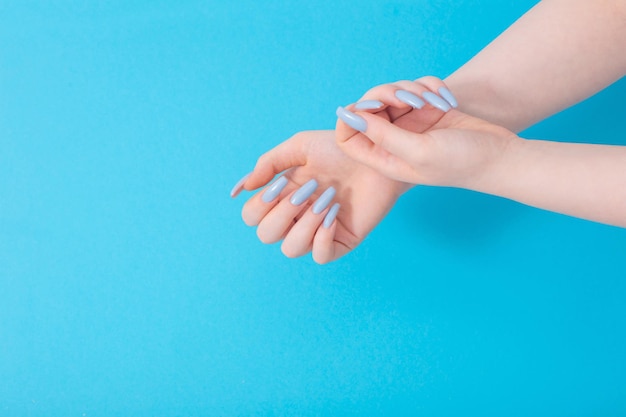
559 53
581 180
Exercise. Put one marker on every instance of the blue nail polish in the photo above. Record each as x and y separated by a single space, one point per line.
324 200
274 190
436 101
448 96
369 105
303 193
410 99
239 186
354 121
330 216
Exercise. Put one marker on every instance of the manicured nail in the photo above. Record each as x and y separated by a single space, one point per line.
410 99
354 121
303 193
447 95
239 186
324 200
436 101
330 216
274 190
368 105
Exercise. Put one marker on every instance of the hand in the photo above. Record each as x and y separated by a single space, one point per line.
364 195
454 149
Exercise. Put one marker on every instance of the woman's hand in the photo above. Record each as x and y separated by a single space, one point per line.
364 195
457 150
419 139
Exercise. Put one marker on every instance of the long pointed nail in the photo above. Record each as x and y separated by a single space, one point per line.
330 216
274 190
239 186
303 193
354 121
324 200
436 101
448 96
369 105
410 99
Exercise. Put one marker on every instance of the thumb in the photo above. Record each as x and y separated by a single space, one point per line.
286 155
376 131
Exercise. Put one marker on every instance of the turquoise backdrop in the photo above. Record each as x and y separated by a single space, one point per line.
130 286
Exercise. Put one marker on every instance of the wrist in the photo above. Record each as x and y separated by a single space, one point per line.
481 95
474 93
500 171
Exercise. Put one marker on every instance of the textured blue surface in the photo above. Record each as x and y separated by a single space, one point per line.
130 286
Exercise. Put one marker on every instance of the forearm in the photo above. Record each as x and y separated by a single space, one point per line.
581 180
557 54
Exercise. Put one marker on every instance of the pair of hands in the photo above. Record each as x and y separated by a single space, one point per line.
426 142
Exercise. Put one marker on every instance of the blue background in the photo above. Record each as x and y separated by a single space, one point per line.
130 286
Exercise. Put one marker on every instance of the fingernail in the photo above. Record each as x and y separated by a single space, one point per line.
436 101
239 186
330 216
324 200
368 105
354 121
303 193
274 190
449 97
410 99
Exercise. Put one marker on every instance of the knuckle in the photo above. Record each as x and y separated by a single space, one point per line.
429 78
404 85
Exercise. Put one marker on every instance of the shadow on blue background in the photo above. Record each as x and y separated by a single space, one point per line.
130 286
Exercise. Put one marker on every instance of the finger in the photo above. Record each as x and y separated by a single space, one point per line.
357 145
279 220
239 185
257 207
386 95
299 238
418 95
437 86
392 106
381 145
399 98
345 131
395 140
325 247
403 96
